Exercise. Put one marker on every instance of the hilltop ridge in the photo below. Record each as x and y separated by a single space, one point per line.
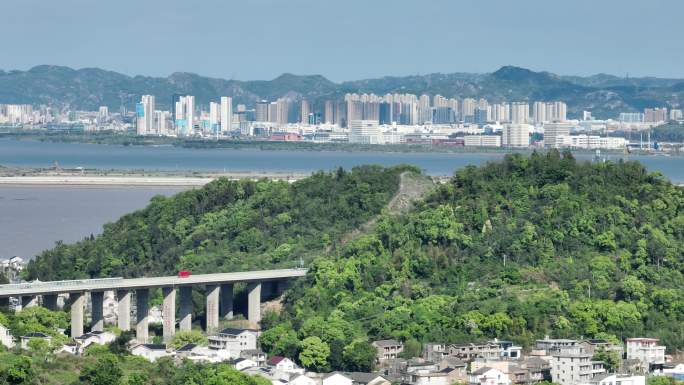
89 88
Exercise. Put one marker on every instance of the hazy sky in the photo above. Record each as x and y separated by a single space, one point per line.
345 39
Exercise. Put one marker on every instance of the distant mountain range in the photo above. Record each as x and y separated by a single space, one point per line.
89 88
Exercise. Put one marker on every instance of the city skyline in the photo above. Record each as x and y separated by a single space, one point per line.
222 40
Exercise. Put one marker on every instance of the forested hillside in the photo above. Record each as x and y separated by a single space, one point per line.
228 226
518 249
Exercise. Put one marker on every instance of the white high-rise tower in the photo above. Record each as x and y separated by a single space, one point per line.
226 113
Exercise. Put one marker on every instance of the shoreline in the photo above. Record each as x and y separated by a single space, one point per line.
133 180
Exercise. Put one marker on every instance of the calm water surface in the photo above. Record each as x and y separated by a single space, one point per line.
33 218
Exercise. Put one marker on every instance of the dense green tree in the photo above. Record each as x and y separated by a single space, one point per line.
359 356
314 354
182 338
106 370
280 340
610 359
17 372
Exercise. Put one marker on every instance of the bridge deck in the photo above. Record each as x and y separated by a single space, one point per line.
102 284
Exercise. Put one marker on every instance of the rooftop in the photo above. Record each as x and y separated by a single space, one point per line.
35 335
390 342
235 331
186 348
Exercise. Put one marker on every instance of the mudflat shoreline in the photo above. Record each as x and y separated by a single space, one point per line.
37 177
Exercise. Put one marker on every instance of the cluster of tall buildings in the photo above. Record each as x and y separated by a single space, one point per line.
183 119
651 115
410 109
17 114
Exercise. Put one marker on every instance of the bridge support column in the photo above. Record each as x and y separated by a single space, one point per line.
212 312
29 301
123 298
227 301
185 308
142 302
254 302
169 313
50 301
77 304
96 313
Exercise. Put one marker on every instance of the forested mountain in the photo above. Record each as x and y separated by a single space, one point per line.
518 249
89 88
228 226
531 246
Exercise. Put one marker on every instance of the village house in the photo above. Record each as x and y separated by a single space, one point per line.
6 337
488 376
470 351
234 340
646 350
354 378
549 346
95 337
435 352
617 379
301 379
572 366
32 336
256 355
243 363
282 366
151 352
593 346
388 349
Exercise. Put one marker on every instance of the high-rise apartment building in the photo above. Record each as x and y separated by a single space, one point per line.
520 112
305 111
516 135
282 111
655 115
185 115
553 131
329 112
226 114
631 117
364 132
261 111
214 116
145 115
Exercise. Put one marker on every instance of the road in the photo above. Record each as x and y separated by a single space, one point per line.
103 284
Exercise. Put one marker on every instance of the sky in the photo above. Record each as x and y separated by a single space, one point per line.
345 39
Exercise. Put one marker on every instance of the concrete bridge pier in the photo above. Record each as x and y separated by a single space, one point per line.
29 301
254 302
123 298
50 301
185 308
142 310
227 301
77 304
212 313
169 313
97 311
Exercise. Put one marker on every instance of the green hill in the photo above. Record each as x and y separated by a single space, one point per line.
531 246
228 226
518 249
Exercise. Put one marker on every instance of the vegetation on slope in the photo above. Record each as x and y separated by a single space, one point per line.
101 367
228 226
527 247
